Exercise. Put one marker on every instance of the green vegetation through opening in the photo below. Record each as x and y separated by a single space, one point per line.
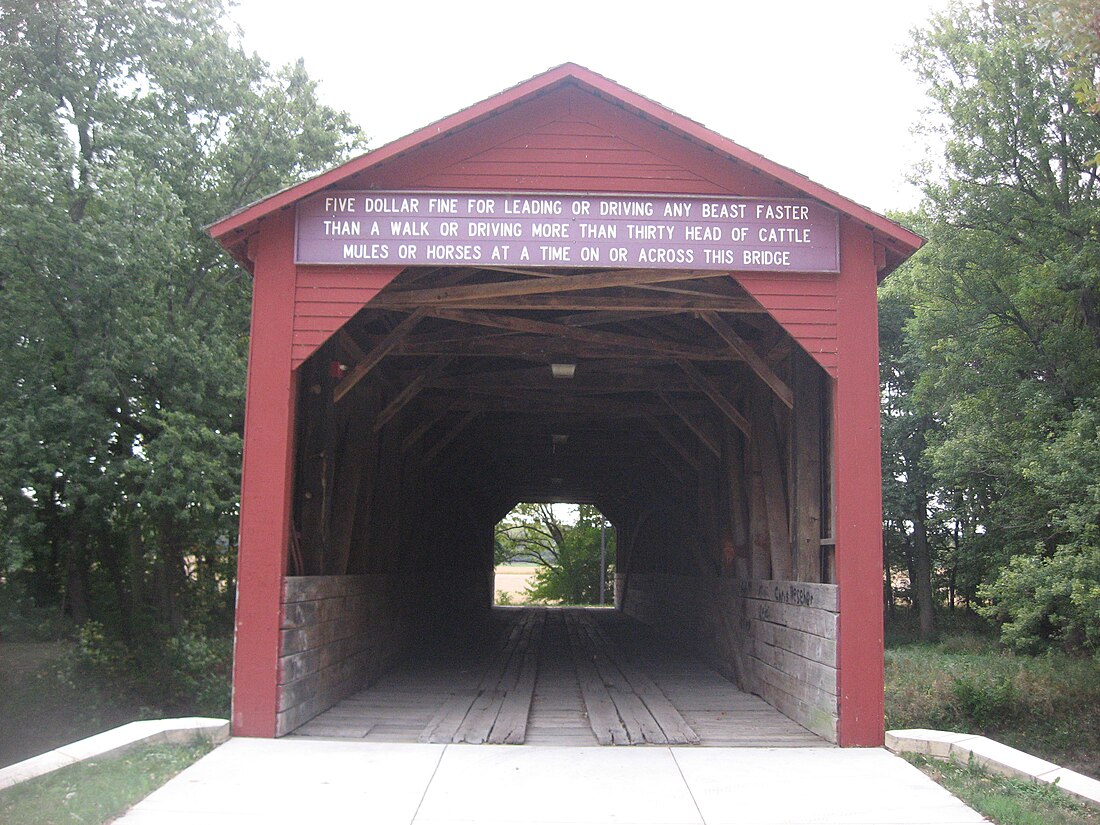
554 554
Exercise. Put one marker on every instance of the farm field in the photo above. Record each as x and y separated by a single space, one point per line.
513 579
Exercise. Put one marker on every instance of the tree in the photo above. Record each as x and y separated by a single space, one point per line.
567 555
1073 29
125 127
908 484
1006 296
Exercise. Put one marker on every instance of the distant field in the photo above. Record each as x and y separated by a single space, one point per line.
513 579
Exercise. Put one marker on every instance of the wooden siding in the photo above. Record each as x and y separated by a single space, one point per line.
776 639
569 140
791 649
804 305
569 154
338 634
553 132
326 297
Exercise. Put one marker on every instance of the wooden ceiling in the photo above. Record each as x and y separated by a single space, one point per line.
661 359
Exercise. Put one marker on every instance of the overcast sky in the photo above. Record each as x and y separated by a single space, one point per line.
817 86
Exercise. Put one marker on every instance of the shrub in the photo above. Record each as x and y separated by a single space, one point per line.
186 673
985 700
22 620
1044 602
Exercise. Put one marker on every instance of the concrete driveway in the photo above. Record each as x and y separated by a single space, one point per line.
317 782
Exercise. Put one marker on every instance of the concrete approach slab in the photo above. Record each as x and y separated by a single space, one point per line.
298 781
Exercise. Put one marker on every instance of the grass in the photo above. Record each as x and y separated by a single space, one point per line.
1048 705
1007 801
98 790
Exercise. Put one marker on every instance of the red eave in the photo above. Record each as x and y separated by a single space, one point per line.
230 230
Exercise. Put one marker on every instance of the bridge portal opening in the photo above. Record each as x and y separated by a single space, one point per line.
434 449
554 553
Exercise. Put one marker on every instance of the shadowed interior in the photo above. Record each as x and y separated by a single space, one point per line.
692 419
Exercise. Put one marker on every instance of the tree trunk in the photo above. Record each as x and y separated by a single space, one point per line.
922 579
887 580
76 590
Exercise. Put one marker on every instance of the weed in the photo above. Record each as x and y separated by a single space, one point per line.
1048 704
1007 801
98 790
985 701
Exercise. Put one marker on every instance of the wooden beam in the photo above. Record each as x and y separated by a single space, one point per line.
691 293
450 436
690 422
769 460
372 359
598 317
806 468
639 303
524 404
669 436
545 349
422 428
409 393
512 323
543 286
350 345
410 275
715 394
530 273
581 384
746 353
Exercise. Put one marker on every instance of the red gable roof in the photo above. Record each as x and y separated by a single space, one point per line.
233 231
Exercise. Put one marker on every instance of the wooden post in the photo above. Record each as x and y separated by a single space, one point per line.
806 467
857 463
265 483
772 504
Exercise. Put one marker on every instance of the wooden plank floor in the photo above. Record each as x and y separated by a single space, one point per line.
553 676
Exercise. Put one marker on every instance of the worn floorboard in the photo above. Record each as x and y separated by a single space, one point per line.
552 676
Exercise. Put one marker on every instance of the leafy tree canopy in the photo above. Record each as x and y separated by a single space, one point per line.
125 127
993 332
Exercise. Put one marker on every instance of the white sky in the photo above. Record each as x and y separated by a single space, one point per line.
818 86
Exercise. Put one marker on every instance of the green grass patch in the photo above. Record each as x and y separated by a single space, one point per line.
97 790
1047 705
1007 801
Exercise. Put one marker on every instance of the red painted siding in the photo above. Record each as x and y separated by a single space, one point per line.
571 140
544 144
265 484
569 154
233 231
326 297
858 474
805 305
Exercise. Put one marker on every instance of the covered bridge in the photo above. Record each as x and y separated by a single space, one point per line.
565 292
